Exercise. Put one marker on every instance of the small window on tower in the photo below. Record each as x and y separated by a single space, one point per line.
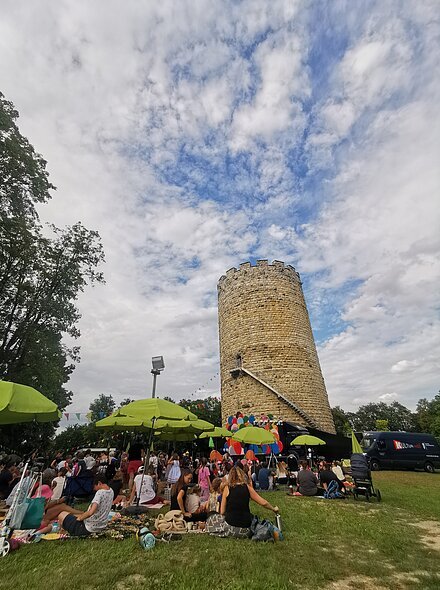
238 361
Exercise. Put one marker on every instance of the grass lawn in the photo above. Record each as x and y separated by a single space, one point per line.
328 545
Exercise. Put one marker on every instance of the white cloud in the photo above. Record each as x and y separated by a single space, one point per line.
389 397
276 106
121 99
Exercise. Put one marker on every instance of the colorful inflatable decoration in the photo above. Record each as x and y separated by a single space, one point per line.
239 420
215 456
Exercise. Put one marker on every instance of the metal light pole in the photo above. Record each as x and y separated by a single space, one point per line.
158 366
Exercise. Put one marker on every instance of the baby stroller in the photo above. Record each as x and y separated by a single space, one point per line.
17 510
361 474
78 487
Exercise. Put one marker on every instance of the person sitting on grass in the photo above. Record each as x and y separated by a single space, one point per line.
326 475
337 470
213 503
282 473
193 502
235 517
179 493
78 523
143 488
95 519
265 474
307 481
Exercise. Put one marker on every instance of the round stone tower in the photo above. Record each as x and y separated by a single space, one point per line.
268 358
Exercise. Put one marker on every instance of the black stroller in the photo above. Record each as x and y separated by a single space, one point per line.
361 474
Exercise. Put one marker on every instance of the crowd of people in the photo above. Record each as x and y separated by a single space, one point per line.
213 495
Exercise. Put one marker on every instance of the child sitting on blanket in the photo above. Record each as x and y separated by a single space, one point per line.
213 503
193 501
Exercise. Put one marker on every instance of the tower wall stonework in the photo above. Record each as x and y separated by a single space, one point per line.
264 327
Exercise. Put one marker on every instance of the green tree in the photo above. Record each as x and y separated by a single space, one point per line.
125 402
41 275
382 425
102 406
342 421
208 409
398 417
428 415
72 438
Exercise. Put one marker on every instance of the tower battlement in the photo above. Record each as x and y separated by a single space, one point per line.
246 267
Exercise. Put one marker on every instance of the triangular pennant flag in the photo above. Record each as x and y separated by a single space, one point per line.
89 416
67 415
78 415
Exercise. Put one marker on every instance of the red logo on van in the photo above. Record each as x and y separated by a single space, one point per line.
398 445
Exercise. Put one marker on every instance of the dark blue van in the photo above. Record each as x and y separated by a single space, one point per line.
402 450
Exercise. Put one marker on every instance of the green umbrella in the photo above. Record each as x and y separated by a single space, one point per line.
175 436
253 435
154 408
20 403
123 423
308 440
191 426
218 432
128 423
355 446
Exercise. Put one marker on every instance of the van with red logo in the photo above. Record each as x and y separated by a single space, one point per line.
401 450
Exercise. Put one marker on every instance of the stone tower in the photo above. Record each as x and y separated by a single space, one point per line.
268 358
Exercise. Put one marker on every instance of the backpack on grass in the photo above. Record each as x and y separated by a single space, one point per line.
264 530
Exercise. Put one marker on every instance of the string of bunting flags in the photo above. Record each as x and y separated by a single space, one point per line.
87 416
204 386
81 416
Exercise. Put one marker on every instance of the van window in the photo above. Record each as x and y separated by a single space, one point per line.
367 442
381 445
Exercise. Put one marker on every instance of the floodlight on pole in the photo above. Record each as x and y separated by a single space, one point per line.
158 366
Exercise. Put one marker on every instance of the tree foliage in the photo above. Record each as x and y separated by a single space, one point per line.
42 271
208 409
342 421
73 438
428 415
102 406
125 402
397 415
382 425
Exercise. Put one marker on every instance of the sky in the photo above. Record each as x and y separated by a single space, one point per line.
197 135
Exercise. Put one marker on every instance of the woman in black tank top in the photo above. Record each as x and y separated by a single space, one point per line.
235 516
237 506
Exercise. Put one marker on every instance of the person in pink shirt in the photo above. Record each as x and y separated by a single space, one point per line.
204 478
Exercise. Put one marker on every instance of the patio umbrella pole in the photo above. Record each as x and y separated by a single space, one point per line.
146 460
